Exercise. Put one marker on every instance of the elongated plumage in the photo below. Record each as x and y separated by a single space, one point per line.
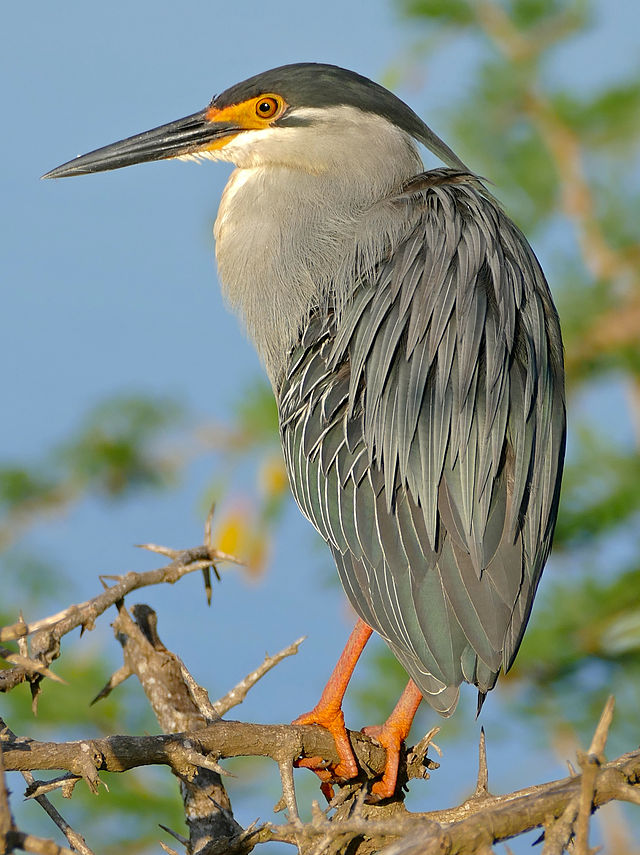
423 434
414 350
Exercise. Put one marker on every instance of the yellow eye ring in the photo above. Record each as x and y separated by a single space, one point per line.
267 107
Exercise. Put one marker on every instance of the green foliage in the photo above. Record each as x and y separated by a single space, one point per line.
527 15
110 453
502 145
600 494
455 12
376 691
532 13
256 416
608 120
579 301
599 619
619 208
19 486
113 453
33 581
583 645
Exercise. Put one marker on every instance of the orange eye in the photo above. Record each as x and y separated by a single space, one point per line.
267 107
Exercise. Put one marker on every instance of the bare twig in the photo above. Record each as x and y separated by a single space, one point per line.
35 791
38 845
29 666
590 764
626 793
179 837
504 815
199 694
11 838
167 551
177 705
45 641
418 764
239 692
115 680
222 739
601 733
6 819
66 783
482 786
76 840
208 541
288 788
558 833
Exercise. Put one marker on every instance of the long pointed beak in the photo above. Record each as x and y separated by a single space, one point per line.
194 133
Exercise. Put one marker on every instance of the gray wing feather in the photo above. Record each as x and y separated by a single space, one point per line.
423 429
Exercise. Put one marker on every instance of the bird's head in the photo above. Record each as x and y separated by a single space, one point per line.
308 115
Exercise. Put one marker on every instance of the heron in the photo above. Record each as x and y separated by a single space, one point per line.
416 358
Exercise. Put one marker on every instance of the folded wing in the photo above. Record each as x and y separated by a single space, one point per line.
423 431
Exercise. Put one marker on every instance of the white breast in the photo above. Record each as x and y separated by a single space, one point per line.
289 235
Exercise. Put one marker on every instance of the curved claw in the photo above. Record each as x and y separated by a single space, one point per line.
322 770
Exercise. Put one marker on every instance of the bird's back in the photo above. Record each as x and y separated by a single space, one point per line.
423 429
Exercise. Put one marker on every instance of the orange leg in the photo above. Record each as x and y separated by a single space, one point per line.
391 735
328 713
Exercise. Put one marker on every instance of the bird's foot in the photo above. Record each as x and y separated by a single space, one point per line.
331 719
391 738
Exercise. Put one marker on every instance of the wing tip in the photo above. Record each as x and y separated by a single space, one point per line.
482 696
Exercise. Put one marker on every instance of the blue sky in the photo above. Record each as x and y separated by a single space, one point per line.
109 285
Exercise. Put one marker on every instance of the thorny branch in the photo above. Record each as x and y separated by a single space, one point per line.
238 693
45 635
480 821
472 827
161 673
76 841
222 739
196 739
12 838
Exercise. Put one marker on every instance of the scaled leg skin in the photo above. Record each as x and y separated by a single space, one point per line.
391 735
328 713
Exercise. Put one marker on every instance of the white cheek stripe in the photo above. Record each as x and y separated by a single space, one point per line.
198 156
244 141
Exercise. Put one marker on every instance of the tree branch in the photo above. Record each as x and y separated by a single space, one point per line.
207 807
46 634
76 840
467 825
239 693
196 739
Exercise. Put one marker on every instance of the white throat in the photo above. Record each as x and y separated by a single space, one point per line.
306 212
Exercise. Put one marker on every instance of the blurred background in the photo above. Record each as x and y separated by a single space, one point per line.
132 399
